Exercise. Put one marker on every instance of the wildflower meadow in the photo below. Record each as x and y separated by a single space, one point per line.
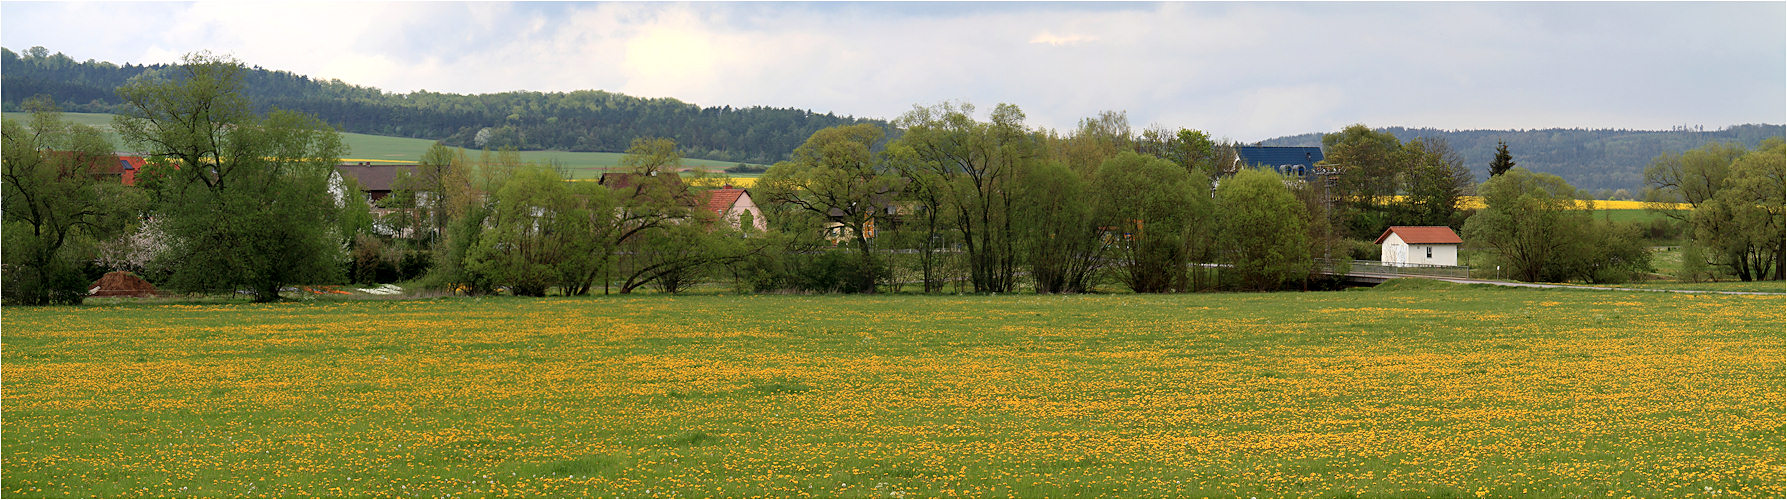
1423 391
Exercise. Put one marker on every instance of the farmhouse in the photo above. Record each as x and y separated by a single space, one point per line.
375 180
734 205
1419 245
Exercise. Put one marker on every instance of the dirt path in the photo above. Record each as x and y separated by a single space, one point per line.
1466 281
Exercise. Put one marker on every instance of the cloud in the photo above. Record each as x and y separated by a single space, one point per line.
1047 38
1239 70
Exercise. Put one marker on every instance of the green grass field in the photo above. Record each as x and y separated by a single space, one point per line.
383 149
1415 389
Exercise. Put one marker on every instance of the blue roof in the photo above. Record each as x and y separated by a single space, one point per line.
1280 157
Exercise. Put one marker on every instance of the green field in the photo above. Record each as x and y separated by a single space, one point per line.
405 150
1414 389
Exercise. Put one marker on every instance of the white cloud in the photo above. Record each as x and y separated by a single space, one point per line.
1244 71
1059 40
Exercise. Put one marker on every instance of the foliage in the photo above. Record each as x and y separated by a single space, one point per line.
1057 233
1153 212
1434 180
969 166
1530 222
1260 230
60 200
1743 221
585 120
246 198
1591 159
835 178
538 234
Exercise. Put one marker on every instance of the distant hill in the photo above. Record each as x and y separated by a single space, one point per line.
1587 159
589 120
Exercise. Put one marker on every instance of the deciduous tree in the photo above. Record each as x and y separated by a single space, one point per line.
246 198
59 200
1260 231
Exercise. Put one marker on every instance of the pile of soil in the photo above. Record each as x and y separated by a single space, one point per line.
121 284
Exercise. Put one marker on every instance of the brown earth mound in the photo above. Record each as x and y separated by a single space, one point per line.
121 284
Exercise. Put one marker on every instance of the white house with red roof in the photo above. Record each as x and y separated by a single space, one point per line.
734 206
1419 245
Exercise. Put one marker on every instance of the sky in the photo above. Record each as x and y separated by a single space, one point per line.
1241 71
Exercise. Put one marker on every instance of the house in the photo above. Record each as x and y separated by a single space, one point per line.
1298 161
375 180
1419 245
126 168
734 205
652 185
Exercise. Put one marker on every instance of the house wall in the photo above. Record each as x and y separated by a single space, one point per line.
1396 252
744 204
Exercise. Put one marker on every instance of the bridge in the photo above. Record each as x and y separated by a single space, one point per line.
1372 273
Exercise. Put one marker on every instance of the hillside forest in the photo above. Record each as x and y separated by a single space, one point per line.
1600 162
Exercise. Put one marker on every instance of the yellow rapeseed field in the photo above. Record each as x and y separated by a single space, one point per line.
1452 392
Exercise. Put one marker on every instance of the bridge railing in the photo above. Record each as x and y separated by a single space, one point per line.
1374 267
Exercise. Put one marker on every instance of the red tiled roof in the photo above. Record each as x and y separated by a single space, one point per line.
720 200
128 166
1421 235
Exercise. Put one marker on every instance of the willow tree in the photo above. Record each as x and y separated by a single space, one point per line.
972 165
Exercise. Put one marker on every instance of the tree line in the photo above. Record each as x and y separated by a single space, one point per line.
589 120
234 200
1603 163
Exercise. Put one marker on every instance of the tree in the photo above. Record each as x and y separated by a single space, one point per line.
246 198
651 155
1154 210
1503 160
1057 234
836 177
973 164
1434 180
1370 165
58 201
1692 177
1260 231
1530 221
538 235
1743 221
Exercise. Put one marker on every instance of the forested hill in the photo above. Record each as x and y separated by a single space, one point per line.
589 120
1587 159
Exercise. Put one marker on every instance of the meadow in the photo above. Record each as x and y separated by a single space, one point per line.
1412 389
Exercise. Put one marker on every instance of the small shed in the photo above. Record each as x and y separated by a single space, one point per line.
1419 245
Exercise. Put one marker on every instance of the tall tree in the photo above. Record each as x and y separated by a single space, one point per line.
1155 211
246 198
1058 236
836 177
1692 177
974 163
1503 160
1530 221
58 200
1434 179
1260 230
1369 163
1743 222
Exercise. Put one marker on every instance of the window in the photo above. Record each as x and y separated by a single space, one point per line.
1430 251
